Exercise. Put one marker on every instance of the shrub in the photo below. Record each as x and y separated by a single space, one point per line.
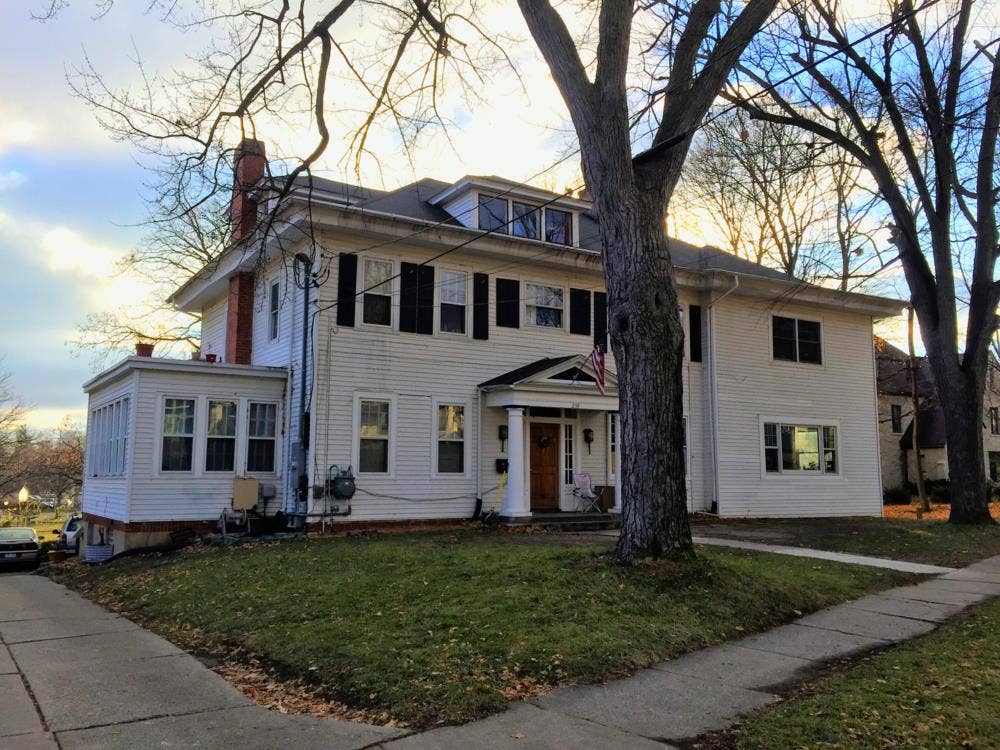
896 496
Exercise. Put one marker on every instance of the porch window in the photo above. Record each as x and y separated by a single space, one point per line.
261 431
451 439
178 434
800 448
220 446
567 454
896 417
492 214
613 443
558 226
544 305
526 220
108 430
272 321
453 300
994 420
796 340
377 299
373 456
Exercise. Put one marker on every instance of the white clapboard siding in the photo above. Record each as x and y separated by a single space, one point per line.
108 496
213 328
751 386
197 495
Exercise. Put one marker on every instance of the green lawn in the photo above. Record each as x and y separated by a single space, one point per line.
447 627
942 690
932 542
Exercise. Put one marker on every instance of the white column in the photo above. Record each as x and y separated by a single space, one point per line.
515 503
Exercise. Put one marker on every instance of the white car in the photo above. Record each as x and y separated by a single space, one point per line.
71 536
19 545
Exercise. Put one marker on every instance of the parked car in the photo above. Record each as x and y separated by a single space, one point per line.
19 545
71 536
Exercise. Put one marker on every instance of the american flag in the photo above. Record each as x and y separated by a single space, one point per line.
597 360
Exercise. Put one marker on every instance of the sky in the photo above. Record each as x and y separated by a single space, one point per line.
71 197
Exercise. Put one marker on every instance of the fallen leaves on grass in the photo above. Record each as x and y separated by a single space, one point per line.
938 512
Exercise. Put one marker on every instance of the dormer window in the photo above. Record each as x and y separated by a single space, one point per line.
526 220
558 226
492 214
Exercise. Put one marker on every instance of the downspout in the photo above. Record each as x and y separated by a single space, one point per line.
714 392
477 511
878 434
302 507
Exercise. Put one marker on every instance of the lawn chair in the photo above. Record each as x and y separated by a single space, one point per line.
588 501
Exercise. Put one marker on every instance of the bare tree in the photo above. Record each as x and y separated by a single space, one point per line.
917 103
12 435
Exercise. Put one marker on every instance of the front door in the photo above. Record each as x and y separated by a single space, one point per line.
544 460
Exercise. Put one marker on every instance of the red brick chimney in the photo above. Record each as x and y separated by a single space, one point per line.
239 319
249 165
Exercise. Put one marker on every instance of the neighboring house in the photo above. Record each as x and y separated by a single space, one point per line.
450 370
895 413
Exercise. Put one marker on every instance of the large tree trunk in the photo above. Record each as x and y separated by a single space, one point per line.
648 343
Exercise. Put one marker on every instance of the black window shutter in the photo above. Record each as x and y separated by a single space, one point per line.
694 321
425 299
480 306
347 283
601 321
579 311
408 283
508 303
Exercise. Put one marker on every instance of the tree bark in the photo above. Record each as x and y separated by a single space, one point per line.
924 504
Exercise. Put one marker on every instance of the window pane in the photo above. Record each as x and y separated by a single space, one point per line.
568 454
543 296
548 317
771 459
222 418
377 276
453 318
178 416
771 434
451 422
374 456
377 309
799 448
492 214
558 226
525 220
176 453
810 349
374 419
262 420
830 449
783 330
260 455
220 454
453 287
451 457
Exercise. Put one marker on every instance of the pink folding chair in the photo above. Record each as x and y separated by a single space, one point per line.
587 500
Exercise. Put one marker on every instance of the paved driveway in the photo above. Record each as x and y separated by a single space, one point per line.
75 673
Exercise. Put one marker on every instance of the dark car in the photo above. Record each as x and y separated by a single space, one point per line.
20 546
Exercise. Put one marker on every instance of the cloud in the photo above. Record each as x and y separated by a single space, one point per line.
67 251
11 179
15 133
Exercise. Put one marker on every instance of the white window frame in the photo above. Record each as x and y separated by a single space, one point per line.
438 287
529 320
613 465
541 220
244 436
393 294
569 435
892 418
356 434
573 226
108 443
273 310
196 457
435 403
796 362
235 437
478 196
822 473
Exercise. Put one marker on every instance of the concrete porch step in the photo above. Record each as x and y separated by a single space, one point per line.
571 521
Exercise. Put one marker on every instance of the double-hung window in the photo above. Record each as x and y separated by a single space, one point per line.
262 425
544 305
373 435
492 214
896 417
453 299
178 434
450 439
220 443
558 226
796 340
994 420
272 320
526 219
108 431
377 302
800 448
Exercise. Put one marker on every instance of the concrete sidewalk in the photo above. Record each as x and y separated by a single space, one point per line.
73 675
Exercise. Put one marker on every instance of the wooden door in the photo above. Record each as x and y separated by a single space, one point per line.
544 458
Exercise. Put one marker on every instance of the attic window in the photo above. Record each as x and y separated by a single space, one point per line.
492 214
558 226
526 220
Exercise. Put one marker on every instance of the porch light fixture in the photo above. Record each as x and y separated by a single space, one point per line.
588 438
502 436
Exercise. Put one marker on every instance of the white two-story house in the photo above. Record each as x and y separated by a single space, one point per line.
435 340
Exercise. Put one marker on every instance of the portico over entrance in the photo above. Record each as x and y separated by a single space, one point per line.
554 424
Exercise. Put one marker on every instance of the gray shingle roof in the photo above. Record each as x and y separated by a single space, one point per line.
526 371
